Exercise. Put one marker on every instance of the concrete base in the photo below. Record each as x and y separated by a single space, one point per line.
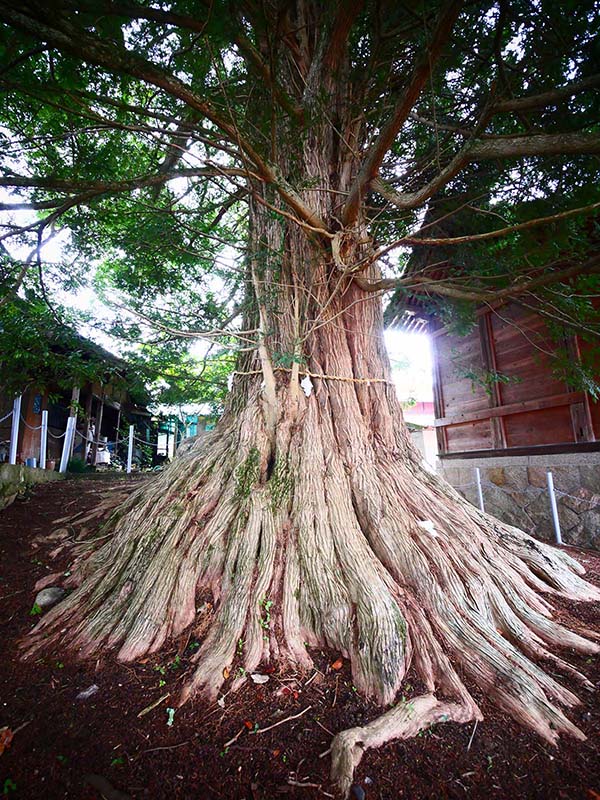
515 491
16 479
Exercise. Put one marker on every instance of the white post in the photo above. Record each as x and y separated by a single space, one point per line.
66 451
43 439
14 431
130 448
554 507
479 490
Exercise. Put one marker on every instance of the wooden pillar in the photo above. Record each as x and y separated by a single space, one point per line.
488 358
581 415
98 429
73 411
88 424
438 394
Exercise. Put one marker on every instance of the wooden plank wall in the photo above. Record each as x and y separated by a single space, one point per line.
534 407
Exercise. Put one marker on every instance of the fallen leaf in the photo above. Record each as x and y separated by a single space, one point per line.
248 724
259 678
337 664
226 672
6 737
276 753
594 795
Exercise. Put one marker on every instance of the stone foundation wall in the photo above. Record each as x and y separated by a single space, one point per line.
515 491
15 479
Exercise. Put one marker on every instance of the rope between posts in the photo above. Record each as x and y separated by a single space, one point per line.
6 416
342 378
143 441
27 425
54 436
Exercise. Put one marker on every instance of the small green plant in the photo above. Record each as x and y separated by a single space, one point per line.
176 663
265 620
170 717
77 466
240 647
161 683
62 759
242 672
9 786
117 762
160 669
35 609
60 665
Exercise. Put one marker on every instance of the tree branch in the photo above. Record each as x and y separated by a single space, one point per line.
491 149
247 49
423 285
550 98
111 56
385 140
479 237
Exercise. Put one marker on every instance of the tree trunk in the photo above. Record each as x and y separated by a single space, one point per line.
311 521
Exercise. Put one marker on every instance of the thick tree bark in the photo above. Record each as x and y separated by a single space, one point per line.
310 521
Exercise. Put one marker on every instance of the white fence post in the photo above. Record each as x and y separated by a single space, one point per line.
14 431
130 448
479 490
43 439
66 451
554 507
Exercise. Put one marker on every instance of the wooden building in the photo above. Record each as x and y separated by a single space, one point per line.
103 406
503 407
498 391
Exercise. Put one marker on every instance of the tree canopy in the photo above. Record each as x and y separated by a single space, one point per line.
136 133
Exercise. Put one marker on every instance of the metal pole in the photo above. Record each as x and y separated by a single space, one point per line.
479 490
66 451
43 439
14 431
130 448
554 508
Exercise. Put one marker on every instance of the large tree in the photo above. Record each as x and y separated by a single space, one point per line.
307 517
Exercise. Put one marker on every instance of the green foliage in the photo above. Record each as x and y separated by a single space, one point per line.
94 120
487 379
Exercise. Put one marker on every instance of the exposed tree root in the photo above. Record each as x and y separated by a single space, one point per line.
401 722
336 542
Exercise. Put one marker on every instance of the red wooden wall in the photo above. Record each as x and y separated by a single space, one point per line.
534 408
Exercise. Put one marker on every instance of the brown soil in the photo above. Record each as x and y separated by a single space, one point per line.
65 740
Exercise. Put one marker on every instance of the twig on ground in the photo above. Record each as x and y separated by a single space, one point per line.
324 728
312 677
235 738
21 726
154 704
281 721
166 747
472 735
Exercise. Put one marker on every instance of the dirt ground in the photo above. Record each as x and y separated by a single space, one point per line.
102 746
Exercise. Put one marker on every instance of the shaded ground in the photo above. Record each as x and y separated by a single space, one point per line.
63 739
